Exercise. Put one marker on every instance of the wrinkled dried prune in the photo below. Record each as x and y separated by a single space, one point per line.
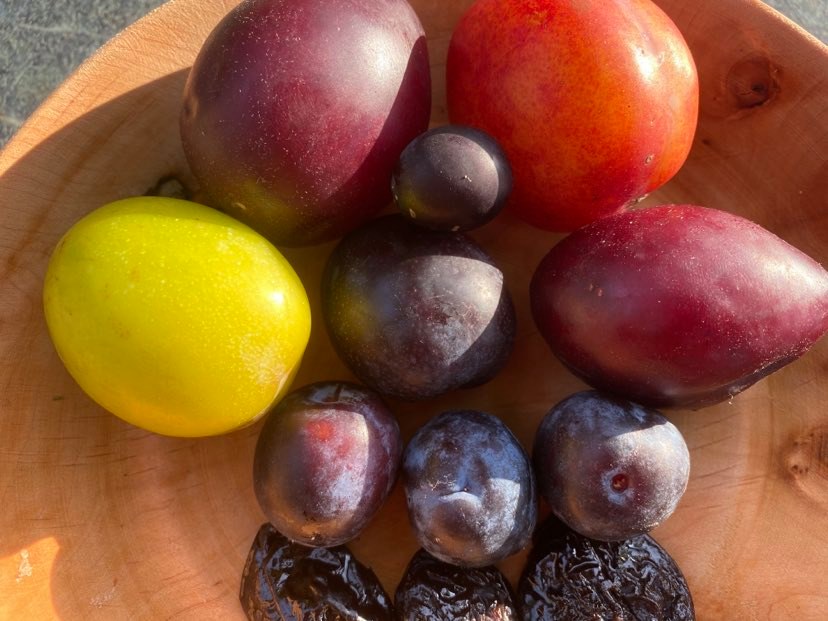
570 577
432 590
287 581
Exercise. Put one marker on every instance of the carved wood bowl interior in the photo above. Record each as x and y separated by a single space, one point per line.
101 520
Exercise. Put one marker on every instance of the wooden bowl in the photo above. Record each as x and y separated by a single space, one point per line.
101 520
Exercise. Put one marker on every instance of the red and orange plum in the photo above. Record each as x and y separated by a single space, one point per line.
595 102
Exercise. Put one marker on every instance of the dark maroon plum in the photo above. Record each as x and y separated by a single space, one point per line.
286 581
295 112
416 313
569 577
432 590
452 178
326 459
609 468
469 488
677 305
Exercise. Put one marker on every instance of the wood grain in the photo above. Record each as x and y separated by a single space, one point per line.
101 520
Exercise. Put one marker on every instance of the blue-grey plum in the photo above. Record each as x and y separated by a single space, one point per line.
469 488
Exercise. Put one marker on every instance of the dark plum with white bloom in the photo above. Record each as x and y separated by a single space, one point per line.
470 489
611 469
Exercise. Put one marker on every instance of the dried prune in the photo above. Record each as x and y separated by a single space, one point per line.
573 578
432 590
287 581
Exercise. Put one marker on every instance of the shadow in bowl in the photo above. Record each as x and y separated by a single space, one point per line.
89 496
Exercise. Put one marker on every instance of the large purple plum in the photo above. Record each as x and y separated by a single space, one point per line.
678 305
326 460
416 313
609 468
295 112
470 489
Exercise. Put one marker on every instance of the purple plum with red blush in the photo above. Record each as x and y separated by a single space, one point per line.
677 305
295 112
326 460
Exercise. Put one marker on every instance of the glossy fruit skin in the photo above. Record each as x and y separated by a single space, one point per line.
677 305
295 112
452 178
571 577
609 468
326 460
470 489
416 313
175 317
286 581
431 590
595 102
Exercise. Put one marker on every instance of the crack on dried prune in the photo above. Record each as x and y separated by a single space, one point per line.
432 590
568 576
286 581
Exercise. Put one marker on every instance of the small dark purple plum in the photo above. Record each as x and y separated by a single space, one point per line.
569 577
416 313
286 581
677 305
432 590
452 178
295 112
609 468
470 489
326 460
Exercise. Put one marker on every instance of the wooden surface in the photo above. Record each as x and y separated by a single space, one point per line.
100 520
